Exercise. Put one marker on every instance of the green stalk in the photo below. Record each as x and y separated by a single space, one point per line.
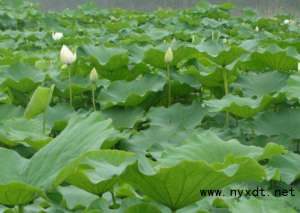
225 79
70 88
93 96
169 84
115 205
20 209
44 122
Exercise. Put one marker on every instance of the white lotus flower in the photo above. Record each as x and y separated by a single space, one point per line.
93 75
298 66
66 55
169 56
57 36
288 21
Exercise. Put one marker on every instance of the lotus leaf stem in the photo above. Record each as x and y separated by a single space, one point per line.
20 209
70 88
169 84
93 96
225 79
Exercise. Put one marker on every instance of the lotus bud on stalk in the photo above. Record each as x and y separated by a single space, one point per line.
93 78
57 36
169 55
93 75
67 57
193 39
168 59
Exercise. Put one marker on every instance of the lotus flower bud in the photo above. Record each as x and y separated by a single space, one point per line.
57 36
298 66
93 75
169 56
257 29
66 55
193 38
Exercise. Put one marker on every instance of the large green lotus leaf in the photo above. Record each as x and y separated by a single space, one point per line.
13 190
227 57
8 111
186 52
76 199
58 116
288 166
39 101
98 171
294 200
23 179
136 52
273 58
180 185
130 93
209 76
128 205
142 208
261 206
124 118
37 206
204 162
156 139
212 48
112 57
115 27
155 57
200 147
184 80
18 193
240 106
202 206
260 84
207 70
21 77
292 88
284 122
177 116
157 33
54 162
4 98
20 130
79 85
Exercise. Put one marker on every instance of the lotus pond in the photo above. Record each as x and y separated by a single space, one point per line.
105 111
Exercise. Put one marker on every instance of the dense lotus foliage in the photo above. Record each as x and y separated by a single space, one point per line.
125 111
